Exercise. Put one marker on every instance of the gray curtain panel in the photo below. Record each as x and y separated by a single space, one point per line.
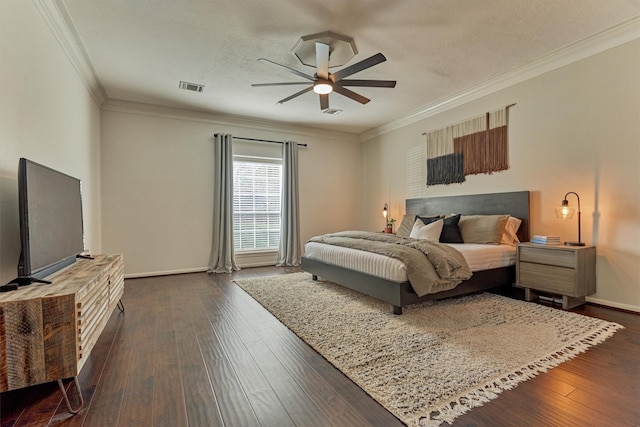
289 252
222 254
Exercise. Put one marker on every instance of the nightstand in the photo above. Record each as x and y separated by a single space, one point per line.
569 271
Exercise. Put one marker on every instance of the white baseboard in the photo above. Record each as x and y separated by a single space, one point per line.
614 304
256 264
243 261
165 273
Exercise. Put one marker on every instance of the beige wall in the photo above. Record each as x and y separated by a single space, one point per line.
576 128
573 129
46 115
158 183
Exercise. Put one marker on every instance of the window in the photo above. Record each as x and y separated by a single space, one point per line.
257 189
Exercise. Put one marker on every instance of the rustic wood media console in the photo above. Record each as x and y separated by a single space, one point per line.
47 331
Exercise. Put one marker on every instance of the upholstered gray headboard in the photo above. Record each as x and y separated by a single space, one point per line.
514 203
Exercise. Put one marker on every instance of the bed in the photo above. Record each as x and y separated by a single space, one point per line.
400 293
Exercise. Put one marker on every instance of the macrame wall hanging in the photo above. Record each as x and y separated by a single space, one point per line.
477 145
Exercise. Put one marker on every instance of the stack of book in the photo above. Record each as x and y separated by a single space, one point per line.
546 240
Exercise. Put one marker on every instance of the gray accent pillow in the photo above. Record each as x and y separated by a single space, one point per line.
451 231
406 225
483 229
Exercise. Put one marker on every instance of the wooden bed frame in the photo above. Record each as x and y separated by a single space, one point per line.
401 294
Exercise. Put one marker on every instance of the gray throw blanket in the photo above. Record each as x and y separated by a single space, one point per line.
431 267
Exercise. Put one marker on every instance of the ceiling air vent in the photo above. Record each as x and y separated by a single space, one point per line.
333 111
194 87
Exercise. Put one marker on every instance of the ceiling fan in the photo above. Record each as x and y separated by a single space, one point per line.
323 82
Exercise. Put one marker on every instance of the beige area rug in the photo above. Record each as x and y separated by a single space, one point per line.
437 360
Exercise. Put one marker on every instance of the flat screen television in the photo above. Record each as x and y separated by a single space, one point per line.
51 228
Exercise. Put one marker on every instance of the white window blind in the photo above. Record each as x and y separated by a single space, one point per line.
257 191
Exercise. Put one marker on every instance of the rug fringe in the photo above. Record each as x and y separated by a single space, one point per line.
461 404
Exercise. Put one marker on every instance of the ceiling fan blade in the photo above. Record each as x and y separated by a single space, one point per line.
359 66
350 94
322 60
324 101
282 101
279 84
291 70
367 83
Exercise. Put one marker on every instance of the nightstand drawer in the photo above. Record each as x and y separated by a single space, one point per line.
542 255
549 278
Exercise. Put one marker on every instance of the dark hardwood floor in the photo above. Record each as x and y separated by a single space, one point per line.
195 350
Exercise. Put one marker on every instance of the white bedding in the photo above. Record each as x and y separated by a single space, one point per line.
479 257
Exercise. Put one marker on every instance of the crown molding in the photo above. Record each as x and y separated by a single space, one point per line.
608 39
154 110
57 18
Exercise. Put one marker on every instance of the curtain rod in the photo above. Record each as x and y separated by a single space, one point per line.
266 140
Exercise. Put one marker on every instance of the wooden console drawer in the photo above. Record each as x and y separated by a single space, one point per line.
48 331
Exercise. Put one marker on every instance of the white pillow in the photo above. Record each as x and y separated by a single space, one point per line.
430 231
510 237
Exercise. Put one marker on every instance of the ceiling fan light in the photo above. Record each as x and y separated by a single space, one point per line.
322 88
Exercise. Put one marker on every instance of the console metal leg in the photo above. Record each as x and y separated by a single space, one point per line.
120 306
66 398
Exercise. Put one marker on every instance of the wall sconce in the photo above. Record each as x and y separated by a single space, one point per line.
385 213
566 212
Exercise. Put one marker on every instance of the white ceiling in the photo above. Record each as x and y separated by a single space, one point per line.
141 49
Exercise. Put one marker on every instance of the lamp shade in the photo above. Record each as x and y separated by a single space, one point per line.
565 211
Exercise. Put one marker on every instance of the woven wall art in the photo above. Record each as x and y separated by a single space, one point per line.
478 145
